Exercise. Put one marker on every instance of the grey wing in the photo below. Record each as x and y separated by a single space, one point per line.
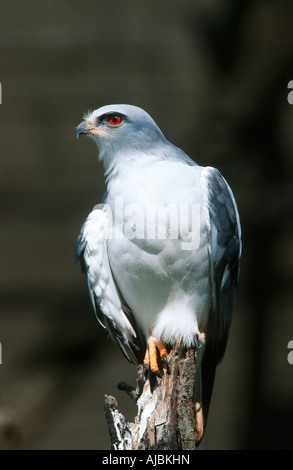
224 245
110 308
224 251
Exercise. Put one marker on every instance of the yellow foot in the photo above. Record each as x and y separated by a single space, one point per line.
150 359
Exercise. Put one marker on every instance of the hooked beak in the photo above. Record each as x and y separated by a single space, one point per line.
83 128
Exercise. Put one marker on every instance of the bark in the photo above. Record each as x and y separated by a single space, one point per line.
166 408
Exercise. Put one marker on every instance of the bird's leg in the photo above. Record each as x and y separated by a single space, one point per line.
150 359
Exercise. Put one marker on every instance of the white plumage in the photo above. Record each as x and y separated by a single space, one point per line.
150 271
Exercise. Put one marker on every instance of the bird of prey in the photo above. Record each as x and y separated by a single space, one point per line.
161 252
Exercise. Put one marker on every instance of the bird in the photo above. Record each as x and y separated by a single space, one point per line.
161 251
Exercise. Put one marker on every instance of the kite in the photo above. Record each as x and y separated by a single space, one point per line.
161 252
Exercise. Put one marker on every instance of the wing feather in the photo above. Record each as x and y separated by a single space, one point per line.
224 251
110 308
224 246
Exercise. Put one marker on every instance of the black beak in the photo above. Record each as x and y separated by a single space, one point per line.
83 128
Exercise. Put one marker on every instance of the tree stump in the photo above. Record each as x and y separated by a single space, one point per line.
166 408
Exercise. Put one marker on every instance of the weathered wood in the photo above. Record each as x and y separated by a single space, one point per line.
119 432
165 418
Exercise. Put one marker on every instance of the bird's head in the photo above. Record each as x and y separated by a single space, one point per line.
121 132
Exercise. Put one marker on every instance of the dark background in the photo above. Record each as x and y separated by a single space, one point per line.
214 76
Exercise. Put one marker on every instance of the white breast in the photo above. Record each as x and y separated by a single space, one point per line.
164 279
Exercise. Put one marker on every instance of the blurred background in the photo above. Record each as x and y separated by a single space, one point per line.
214 75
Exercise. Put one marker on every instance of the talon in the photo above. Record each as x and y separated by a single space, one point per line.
150 359
164 357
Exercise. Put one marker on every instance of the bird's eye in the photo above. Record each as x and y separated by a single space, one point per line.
114 120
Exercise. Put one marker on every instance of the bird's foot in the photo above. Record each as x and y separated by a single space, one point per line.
199 338
151 358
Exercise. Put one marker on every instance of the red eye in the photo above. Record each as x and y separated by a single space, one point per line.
115 120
